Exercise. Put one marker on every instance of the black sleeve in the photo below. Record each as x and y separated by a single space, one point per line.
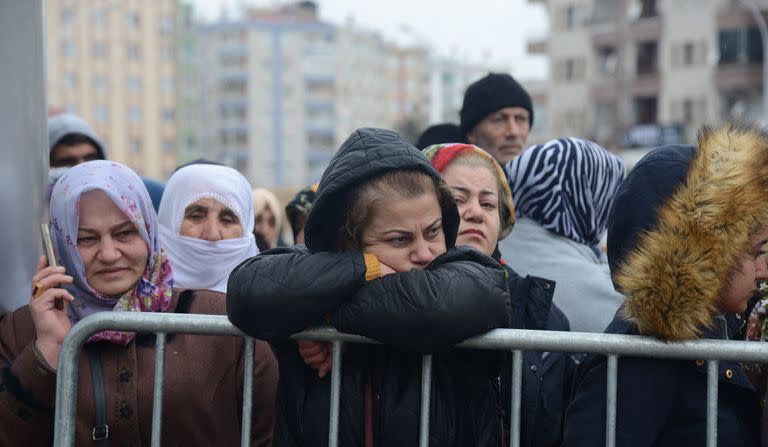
461 294
286 290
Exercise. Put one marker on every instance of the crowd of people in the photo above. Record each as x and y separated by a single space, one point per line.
418 246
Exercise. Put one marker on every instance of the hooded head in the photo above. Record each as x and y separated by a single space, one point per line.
153 289
567 186
680 225
440 134
443 155
493 92
368 153
204 256
264 204
67 124
298 208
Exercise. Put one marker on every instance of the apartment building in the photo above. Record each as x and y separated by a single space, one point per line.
114 63
280 91
638 73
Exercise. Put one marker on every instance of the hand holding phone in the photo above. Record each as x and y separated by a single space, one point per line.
45 231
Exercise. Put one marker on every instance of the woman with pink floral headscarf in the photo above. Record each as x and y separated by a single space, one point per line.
105 234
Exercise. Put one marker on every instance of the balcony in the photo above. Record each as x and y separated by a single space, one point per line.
646 29
738 76
314 79
538 46
319 105
645 85
321 129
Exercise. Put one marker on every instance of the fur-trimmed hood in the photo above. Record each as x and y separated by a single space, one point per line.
680 222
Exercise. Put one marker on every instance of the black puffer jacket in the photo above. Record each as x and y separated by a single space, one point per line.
461 294
546 376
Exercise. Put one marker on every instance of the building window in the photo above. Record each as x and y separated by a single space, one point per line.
688 54
134 83
133 52
169 146
740 46
134 114
606 60
134 145
166 85
68 16
166 24
688 111
645 110
167 53
100 114
648 8
168 114
99 82
68 49
754 45
133 20
98 18
647 57
570 17
605 120
570 70
69 80
99 50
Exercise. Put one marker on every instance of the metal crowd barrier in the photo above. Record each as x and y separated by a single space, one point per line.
514 340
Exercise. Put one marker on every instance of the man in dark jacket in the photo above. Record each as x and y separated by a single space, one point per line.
461 293
685 241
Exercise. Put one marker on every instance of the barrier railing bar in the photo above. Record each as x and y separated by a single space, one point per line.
157 398
245 437
610 401
426 391
712 371
333 428
517 396
499 339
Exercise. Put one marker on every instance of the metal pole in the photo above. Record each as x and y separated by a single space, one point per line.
517 394
763 28
333 424
157 400
610 401
24 153
712 371
426 388
245 437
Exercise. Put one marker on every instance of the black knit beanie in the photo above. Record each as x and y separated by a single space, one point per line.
489 94
438 134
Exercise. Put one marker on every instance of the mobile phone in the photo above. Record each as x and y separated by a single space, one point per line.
45 230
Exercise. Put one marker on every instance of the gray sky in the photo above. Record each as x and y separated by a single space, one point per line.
495 31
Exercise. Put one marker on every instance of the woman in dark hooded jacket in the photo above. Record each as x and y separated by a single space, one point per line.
380 262
487 216
685 247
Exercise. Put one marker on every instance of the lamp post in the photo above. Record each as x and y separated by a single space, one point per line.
763 28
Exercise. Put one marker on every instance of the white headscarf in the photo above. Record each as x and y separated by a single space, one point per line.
200 264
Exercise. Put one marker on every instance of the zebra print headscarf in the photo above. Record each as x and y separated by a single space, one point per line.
568 186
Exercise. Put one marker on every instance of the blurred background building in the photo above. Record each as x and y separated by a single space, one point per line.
639 73
114 62
274 90
283 89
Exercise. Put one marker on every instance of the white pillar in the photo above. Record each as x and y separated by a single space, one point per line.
23 151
